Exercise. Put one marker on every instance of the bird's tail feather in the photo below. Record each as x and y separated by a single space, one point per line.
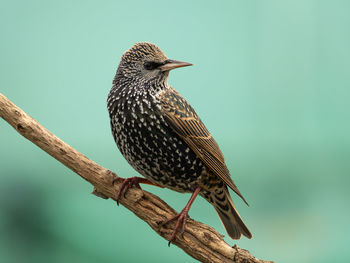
233 223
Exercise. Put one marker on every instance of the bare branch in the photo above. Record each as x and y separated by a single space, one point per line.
200 241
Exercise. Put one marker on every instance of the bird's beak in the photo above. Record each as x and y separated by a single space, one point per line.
171 64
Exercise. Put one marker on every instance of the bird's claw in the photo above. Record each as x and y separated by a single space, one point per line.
117 178
180 224
126 184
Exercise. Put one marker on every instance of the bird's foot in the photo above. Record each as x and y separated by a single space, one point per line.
182 217
129 182
126 184
180 224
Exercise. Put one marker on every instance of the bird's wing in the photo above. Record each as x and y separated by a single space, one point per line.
182 118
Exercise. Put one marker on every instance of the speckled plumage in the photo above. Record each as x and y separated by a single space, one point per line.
162 137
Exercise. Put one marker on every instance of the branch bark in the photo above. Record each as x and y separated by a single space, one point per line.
200 241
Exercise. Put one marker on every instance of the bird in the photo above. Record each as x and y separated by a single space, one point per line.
162 137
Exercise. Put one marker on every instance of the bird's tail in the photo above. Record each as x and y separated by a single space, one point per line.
223 204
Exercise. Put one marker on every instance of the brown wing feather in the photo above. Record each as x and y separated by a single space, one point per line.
183 119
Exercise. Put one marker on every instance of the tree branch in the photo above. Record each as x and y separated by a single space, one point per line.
200 241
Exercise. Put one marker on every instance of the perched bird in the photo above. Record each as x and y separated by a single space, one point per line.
162 137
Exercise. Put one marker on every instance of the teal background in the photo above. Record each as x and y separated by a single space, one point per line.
270 81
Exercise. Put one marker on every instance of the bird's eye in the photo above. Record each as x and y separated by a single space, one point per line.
150 65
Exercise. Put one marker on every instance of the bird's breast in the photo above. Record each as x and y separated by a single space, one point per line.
150 145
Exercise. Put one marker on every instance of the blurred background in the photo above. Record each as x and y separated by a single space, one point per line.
270 81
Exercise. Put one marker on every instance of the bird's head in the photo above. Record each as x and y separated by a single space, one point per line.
146 62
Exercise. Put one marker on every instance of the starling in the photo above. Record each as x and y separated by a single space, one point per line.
162 137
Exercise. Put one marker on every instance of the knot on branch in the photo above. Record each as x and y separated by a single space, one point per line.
20 127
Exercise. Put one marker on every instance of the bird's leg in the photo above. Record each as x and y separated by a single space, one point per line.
128 182
182 216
